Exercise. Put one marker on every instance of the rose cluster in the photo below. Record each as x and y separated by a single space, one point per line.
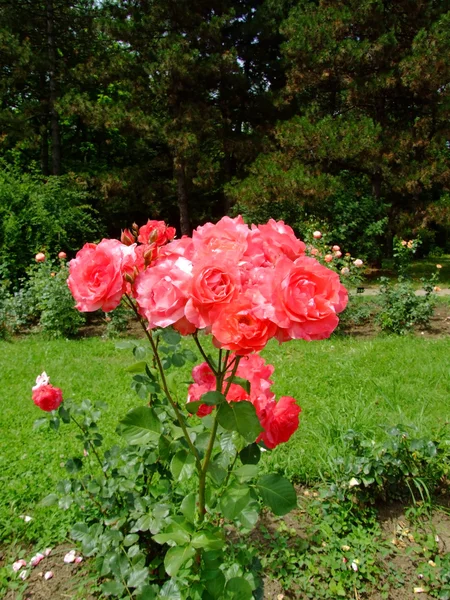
278 419
244 285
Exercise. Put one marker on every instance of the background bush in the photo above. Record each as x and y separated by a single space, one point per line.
41 214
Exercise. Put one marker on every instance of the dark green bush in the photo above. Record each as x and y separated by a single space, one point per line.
40 214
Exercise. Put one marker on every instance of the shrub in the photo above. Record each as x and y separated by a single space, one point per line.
41 214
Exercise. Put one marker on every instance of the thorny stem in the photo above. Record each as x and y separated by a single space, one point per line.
179 416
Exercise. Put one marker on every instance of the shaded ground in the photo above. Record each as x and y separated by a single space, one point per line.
400 566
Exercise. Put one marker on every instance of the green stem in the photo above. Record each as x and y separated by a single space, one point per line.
203 353
202 479
165 387
91 445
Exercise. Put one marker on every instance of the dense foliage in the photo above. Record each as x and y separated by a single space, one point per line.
335 113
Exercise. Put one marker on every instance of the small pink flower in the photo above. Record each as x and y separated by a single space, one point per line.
47 397
338 254
358 262
48 575
317 235
19 564
40 257
336 248
62 255
314 252
345 271
328 258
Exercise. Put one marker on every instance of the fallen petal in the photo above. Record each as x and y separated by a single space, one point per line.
47 551
23 575
36 559
70 557
19 564
48 575
79 559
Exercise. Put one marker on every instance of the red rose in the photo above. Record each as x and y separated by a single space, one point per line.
156 232
47 397
278 419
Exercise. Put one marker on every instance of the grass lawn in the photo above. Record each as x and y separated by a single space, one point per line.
342 384
424 267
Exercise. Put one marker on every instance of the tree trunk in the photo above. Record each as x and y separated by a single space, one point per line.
44 149
182 195
54 121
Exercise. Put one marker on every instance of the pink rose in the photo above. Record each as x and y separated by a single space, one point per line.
278 419
96 277
47 397
213 284
62 255
317 235
306 297
280 240
161 291
228 236
156 232
336 248
328 258
40 257
236 327
358 262
338 254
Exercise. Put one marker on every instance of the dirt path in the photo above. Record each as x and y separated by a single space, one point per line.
373 291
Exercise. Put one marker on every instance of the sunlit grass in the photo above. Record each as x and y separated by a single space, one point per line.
340 384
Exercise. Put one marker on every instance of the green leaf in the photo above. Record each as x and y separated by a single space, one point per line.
216 584
113 588
212 398
176 557
193 407
277 493
64 414
189 355
182 465
240 417
141 426
49 500
208 540
250 455
217 472
173 538
73 465
234 500
188 507
239 588
81 533
244 383
170 337
249 515
125 345
246 472
137 577
139 367
170 590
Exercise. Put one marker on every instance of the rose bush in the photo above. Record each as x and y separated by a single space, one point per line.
162 501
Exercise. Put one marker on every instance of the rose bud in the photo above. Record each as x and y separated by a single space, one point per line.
62 255
127 237
317 235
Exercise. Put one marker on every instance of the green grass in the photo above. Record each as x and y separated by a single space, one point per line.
340 384
423 267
